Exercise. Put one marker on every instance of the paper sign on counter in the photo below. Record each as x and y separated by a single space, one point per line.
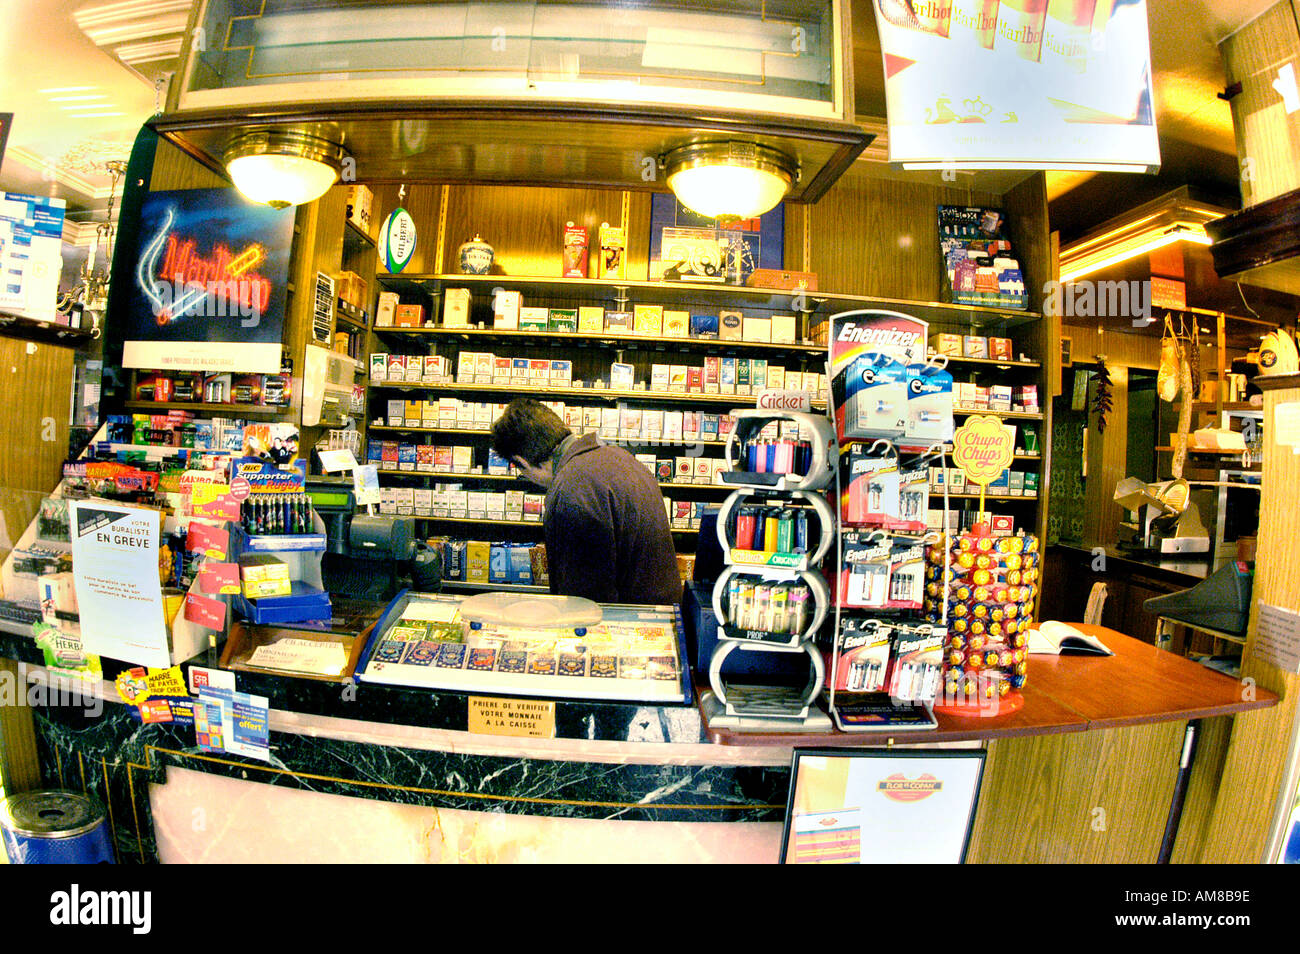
1277 641
115 569
301 655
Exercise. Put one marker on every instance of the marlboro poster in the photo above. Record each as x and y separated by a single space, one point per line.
209 288
1056 84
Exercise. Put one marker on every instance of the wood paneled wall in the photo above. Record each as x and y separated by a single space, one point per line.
36 380
1107 462
1267 136
1093 797
1250 792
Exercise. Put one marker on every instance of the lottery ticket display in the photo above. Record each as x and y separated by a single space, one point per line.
633 654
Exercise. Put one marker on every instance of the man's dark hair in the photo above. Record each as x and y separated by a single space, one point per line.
528 429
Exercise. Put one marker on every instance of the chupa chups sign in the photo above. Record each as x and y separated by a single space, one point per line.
983 448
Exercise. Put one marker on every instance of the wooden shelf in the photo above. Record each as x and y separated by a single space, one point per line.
1017 415
342 316
741 400
475 587
225 409
354 234
963 496
993 362
507 523
456 477
29 329
734 296
475 432
662 342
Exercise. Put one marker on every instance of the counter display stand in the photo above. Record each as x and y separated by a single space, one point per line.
773 598
884 662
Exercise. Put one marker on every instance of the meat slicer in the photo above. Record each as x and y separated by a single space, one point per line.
1168 521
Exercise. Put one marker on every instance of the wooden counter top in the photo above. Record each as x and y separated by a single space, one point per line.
1139 684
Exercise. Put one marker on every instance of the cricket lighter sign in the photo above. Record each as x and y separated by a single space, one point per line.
983 448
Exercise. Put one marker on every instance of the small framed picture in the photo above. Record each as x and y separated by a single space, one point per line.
1066 360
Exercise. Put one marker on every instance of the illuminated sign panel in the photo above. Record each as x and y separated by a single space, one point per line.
209 288
1056 84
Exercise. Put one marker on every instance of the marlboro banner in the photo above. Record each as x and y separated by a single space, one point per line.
209 288
987 84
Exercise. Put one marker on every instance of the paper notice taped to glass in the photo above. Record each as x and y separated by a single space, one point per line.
1277 641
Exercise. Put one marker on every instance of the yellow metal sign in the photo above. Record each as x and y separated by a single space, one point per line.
526 718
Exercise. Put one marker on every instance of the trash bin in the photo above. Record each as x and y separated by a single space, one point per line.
55 827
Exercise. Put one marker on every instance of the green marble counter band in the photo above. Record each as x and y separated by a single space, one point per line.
116 758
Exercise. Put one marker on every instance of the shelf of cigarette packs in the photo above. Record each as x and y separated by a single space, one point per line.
880 644
988 585
775 531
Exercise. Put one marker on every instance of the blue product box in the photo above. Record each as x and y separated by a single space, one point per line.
521 564
701 627
496 464
406 455
499 563
453 560
1001 484
375 452
704 326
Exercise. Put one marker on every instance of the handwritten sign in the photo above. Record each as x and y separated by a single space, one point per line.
518 717
983 448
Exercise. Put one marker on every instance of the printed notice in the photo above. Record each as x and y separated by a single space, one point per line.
1286 425
517 717
1277 641
301 655
115 568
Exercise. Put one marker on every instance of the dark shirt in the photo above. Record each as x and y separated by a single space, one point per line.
607 535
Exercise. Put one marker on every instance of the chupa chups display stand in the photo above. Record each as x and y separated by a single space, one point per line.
988 587
775 530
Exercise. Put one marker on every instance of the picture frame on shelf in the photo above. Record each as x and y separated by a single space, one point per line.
762 241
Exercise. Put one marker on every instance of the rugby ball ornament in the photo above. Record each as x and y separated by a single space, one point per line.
396 241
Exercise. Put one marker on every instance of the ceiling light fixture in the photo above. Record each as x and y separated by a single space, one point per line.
729 180
283 167
1175 217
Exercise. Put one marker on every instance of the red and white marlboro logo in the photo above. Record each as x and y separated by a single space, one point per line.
900 788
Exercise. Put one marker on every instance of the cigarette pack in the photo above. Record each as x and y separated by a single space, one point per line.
455 309
505 310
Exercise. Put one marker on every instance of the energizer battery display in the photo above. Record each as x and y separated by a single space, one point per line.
893 416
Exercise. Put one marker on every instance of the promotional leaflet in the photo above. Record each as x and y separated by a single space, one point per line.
115 567
232 722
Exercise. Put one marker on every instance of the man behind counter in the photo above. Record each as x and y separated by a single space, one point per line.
607 535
